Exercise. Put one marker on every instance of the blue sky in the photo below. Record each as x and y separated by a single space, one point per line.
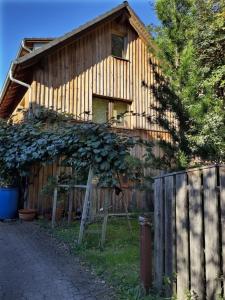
52 18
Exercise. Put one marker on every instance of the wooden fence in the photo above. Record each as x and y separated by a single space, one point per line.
189 242
135 199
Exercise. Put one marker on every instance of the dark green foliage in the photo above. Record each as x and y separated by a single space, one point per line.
191 47
80 145
207 137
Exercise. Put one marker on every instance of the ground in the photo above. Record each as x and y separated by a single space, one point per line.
118 262
34 266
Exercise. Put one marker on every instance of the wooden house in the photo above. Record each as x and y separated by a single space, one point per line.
103 67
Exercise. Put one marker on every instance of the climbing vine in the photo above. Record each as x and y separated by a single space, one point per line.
48 136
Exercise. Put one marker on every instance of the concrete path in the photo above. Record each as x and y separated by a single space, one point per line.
33 266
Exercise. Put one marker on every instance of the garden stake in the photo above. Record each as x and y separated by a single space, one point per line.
86 205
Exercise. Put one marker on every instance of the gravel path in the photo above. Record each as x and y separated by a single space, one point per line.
34 267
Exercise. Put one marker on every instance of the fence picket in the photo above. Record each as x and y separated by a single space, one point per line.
169 247
222 205
158 236
182 237
196 232
211 233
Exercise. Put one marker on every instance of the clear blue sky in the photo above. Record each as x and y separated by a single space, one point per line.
52 18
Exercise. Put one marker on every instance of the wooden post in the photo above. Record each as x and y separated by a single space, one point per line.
145 253
85 206
70 206
182 236
127 215
26 190
196 233
222 205
212 255
105 219
168 229
54 206
55 195
158 240
91 205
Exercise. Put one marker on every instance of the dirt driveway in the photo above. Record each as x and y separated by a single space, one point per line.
34 267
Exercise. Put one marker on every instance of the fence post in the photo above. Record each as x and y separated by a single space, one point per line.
146 253
105 219
85 212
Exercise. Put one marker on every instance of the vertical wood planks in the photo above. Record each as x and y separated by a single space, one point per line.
169 225
211 233
68 77
182 236
196 234
222 205
158 235
200 241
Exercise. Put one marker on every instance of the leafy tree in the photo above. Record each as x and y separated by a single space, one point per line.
207 137
190 43
175 56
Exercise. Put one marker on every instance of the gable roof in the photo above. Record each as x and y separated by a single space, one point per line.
29 59
136 23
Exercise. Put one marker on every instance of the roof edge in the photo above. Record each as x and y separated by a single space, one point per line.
57 41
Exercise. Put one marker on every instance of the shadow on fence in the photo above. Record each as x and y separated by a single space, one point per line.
189 243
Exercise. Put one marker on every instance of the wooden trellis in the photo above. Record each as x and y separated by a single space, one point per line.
86 212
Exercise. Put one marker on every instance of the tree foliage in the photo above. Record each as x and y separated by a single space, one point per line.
191 47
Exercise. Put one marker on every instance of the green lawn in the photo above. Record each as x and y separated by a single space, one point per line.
118 263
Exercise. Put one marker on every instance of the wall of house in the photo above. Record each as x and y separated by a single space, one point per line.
18 114
67 79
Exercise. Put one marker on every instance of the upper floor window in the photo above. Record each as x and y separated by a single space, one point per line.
118 46
106 109
37 45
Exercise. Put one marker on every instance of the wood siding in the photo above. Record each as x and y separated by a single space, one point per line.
67 79
134 199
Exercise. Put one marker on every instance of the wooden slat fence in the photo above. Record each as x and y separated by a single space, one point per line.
135 199
189 239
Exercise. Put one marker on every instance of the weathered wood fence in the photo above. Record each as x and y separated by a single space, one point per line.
189 243
136 199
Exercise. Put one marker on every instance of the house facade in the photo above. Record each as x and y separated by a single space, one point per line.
96 72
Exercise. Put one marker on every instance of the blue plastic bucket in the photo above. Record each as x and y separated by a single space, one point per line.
8 203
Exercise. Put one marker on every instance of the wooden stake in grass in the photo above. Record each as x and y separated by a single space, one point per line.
70 206
55 195
86 205
127 214
105 219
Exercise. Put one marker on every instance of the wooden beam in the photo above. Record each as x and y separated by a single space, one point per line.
85 206
105 219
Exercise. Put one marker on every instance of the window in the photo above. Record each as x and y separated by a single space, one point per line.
100 110
118 45
37 45
119 108
105 109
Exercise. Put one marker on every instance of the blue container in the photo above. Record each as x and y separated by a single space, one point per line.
8 203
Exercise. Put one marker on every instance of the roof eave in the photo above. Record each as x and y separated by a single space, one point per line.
31 58
35 55
7 81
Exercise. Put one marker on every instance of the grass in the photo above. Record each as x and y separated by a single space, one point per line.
118 263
